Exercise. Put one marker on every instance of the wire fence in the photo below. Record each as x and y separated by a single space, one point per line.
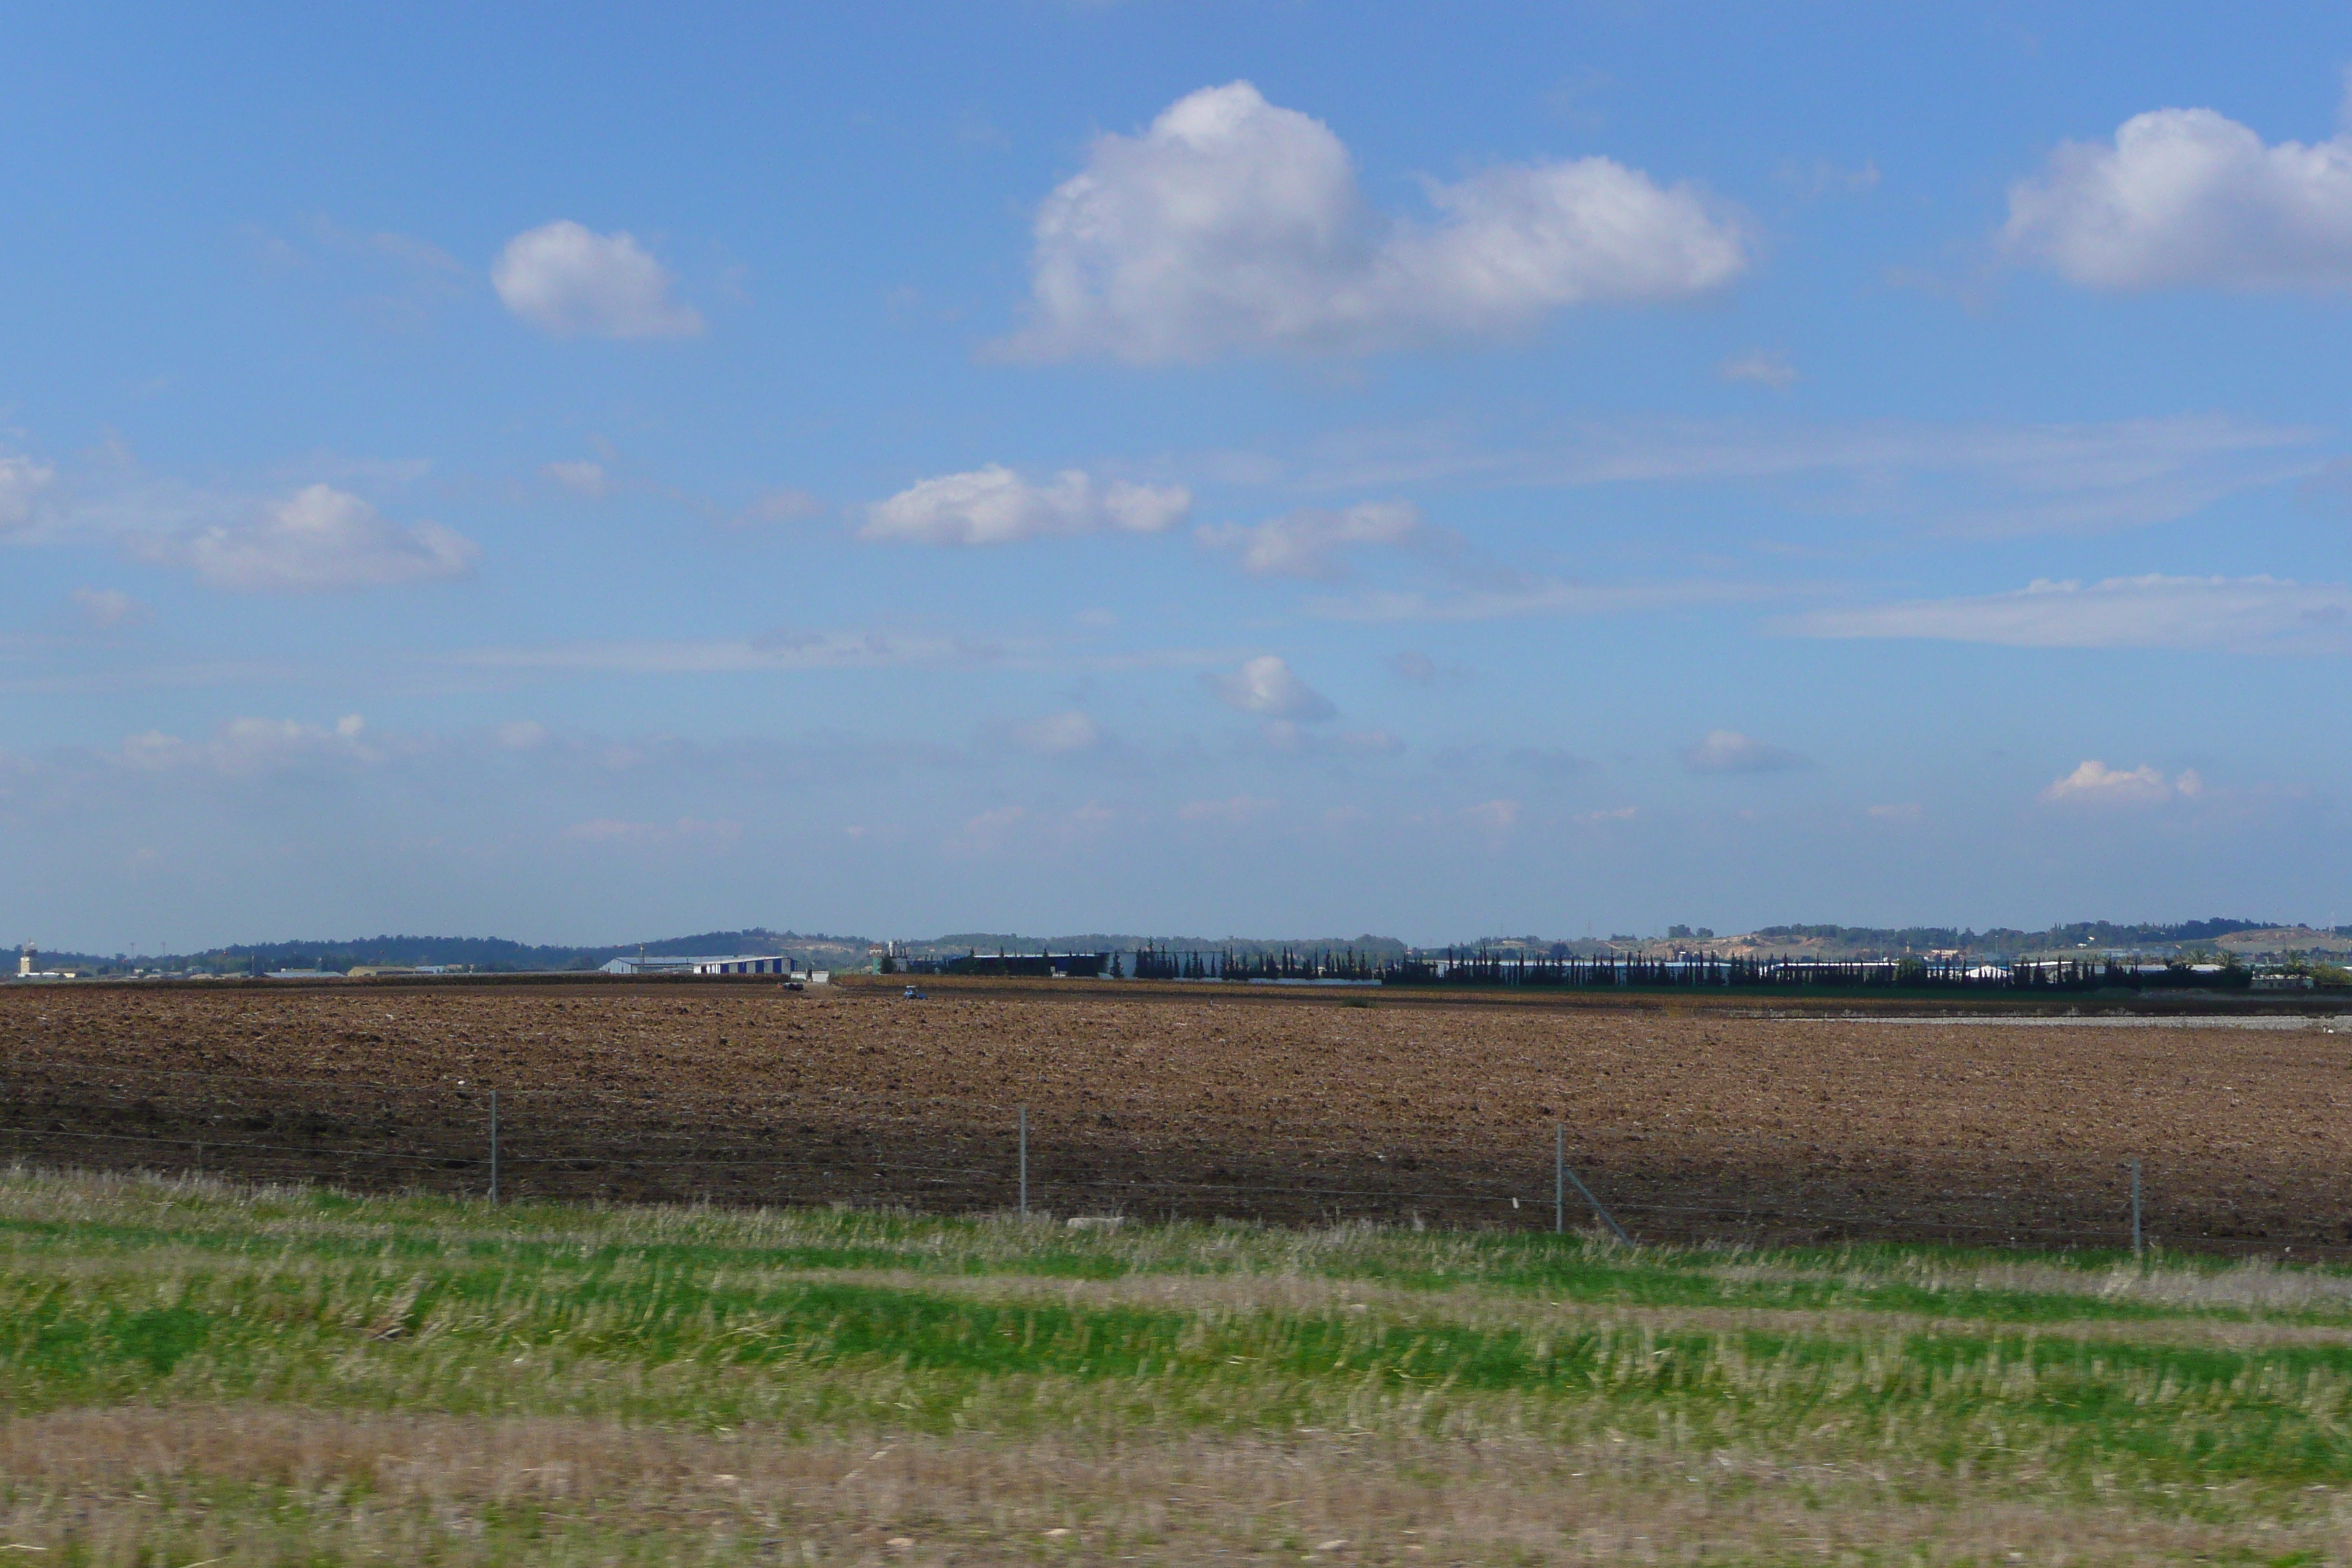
604 1144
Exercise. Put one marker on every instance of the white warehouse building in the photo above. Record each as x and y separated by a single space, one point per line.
732 964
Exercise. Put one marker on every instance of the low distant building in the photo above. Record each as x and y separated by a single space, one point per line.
724 964
1040 966
742 965
641 965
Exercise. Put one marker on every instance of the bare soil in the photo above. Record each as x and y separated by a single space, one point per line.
1689 1121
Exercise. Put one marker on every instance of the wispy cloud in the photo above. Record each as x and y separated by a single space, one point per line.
166 676
319 539
1494 815
1549 761
1031 831
721 655
107 608
1530 597
407 279
1971 481
1059 734
247 748
1729 752
22 483
2230 614
1314 543
1760 367
584 478
774 507
1234 811
1822 178
684 832
1416 666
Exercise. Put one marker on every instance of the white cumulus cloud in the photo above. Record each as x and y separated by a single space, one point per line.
1269 686
1231 223
995 505
565 280
2230 614
2096 783
1312 542
1729 752
320 538
2187 196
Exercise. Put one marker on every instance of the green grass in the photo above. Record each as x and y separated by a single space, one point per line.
2218 1396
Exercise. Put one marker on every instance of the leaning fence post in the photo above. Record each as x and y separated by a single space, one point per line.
1608 1218
1560 1178
1025 1161
2136 1242
494 1145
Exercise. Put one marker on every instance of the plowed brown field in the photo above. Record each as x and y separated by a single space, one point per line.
1687 1120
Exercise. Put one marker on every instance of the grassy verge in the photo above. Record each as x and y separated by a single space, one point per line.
192 1370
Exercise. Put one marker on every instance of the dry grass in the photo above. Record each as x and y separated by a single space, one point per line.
415 1381
257 1485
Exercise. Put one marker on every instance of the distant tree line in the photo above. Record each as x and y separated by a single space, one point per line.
1277 964
1483 967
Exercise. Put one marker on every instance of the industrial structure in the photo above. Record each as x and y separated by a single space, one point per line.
728 963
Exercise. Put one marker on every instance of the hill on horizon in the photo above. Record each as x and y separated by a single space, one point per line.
487 955
499 955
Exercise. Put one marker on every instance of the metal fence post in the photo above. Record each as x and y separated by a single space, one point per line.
2136 1241
494 1145
1559 1179
1609 1219
1025 1161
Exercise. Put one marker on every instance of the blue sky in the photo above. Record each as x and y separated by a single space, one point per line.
578 474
